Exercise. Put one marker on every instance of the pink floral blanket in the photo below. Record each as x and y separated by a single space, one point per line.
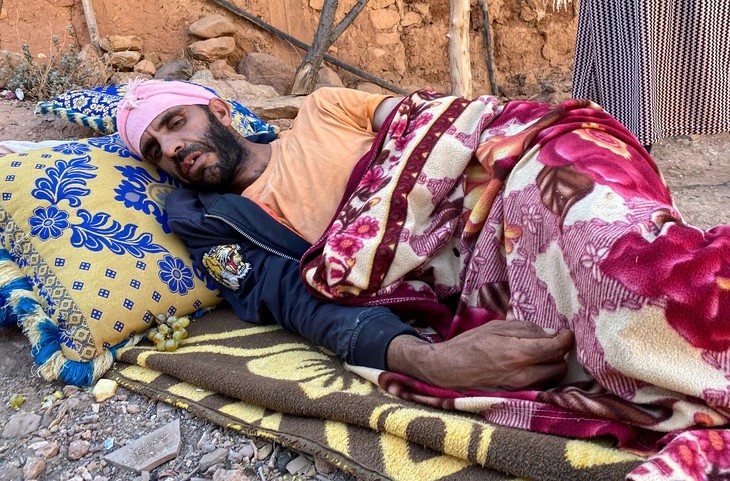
469 211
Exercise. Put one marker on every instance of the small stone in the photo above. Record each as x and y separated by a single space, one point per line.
38 445
212 26
104 389
220 69
323 466
98 75
370 88
33 468
133 409
84 473
211 459
75 403
410 19
282 460
235 457
124 60
326 77
298 465
261 68
205 438
86 435
230 475
285 107
149 451
20 424
212 49
246 451
206 448
78 449
48 451
175 70
264 451
69 390
145 67
202 75
153 57
120 43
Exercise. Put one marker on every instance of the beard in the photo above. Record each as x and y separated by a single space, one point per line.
232 156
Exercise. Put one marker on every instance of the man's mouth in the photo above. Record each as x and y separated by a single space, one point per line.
188 164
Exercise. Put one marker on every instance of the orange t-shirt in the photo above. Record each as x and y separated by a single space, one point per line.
311 162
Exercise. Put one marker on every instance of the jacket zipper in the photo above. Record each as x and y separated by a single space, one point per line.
250 238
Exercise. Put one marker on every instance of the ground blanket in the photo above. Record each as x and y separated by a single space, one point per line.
271 383
551 214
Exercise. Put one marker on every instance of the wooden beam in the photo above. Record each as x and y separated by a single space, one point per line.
459 55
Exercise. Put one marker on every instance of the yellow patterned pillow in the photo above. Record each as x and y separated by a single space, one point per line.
85 223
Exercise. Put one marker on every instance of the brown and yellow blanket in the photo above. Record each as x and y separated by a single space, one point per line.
268 382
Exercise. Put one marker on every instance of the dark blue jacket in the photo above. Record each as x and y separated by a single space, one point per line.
268 288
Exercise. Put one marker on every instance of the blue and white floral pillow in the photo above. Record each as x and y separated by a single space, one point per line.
85 223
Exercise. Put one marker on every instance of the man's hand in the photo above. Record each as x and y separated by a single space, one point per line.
500 355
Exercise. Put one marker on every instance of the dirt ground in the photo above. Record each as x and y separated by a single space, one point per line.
697 169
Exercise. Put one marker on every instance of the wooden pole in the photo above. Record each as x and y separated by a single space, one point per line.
489 45
306 76
327 33
459 58
91 22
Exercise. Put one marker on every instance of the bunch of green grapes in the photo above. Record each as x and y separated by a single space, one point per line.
170 331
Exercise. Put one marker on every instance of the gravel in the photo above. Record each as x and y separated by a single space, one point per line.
60 432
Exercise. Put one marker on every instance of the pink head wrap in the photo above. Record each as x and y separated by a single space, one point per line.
146 99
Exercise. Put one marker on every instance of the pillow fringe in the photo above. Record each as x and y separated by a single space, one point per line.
103 125
19 305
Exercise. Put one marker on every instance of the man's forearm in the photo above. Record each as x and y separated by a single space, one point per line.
409 355
383 110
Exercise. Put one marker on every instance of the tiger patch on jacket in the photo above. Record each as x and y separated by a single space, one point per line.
226 264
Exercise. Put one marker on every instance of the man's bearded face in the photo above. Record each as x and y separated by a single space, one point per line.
216 142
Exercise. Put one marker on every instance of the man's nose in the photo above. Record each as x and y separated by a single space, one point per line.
170 146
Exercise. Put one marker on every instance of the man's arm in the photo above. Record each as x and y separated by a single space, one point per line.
383 110
500 355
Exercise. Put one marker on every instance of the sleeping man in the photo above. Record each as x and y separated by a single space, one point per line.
464 243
